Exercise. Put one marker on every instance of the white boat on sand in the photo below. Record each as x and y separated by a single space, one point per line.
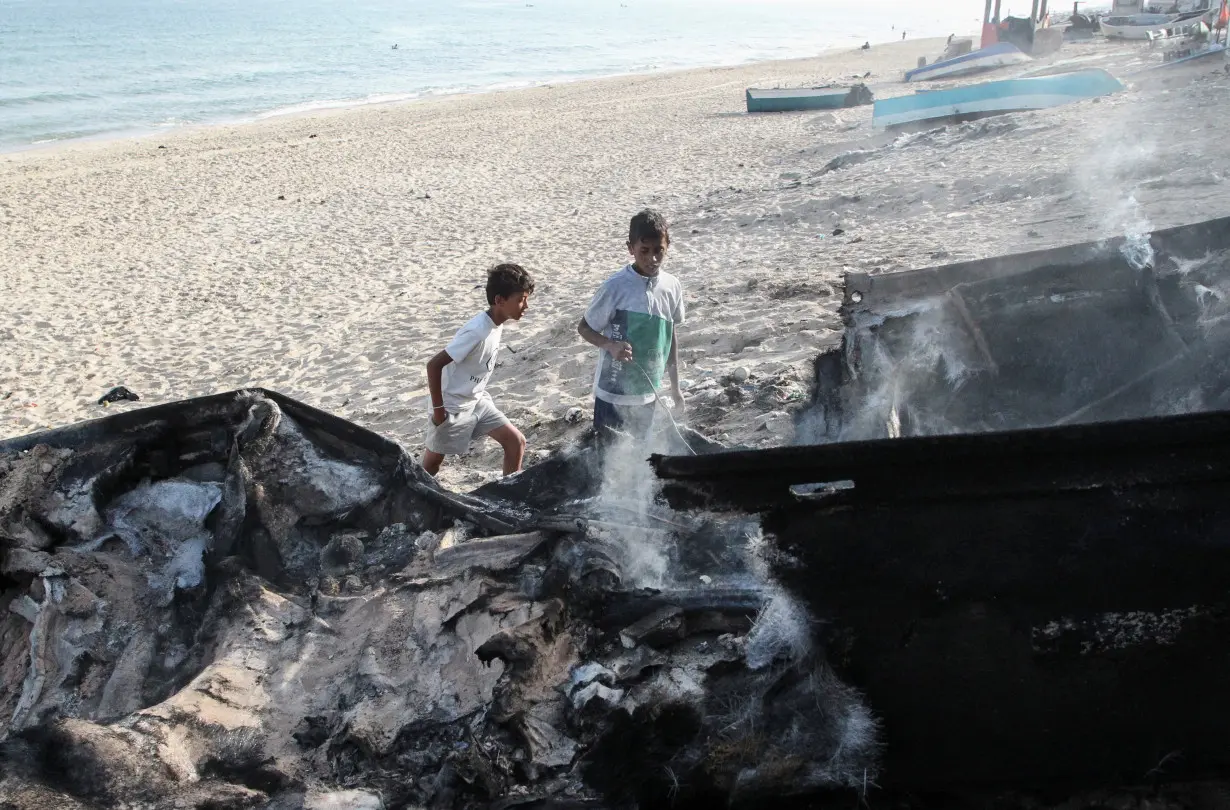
995 56
1148 26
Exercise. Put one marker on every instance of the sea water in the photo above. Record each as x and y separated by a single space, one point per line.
86 68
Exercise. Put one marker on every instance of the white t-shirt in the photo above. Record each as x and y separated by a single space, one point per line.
473 350
643 311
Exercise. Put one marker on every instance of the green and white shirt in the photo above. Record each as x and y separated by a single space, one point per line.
642 311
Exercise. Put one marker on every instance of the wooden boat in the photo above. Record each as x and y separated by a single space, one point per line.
807 98
1147 26
1182 31
1000 597
998 55
994 98
1034 550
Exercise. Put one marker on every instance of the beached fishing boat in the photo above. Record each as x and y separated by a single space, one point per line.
1139 26
1147 26
1189 30
994 98
807 98
998 55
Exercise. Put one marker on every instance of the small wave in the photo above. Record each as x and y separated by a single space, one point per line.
388 98
337 104
446 91
44 98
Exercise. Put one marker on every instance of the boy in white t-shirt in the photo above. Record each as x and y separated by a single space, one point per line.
461 408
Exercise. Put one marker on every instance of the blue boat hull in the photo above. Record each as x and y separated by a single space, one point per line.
994 98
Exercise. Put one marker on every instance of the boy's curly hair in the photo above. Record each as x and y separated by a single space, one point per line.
648 224
507 280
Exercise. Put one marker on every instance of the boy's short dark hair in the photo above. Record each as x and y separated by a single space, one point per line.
507 280
648 224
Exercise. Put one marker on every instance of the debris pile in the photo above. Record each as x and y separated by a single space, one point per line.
240 601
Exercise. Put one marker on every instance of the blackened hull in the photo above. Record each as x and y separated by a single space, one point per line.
1109 330
1072 641
1029 580
1038 608
880 292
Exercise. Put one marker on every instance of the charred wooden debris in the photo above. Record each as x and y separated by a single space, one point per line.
240 601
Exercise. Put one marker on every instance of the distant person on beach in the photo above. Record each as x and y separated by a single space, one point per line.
461 408
633 319
903 36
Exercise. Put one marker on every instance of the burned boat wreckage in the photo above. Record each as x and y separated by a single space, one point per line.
241 601
997 569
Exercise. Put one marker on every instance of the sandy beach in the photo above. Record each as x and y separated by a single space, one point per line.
329 256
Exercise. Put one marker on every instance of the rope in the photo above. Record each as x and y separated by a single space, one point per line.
658 399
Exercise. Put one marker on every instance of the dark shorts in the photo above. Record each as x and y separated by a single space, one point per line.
634 420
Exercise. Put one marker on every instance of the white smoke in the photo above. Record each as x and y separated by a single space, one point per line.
1111 176
627 496
1129 217
937 351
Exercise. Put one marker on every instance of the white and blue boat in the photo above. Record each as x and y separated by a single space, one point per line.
1149 26
994 98
1001 54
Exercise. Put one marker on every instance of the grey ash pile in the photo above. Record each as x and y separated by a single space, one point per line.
242 602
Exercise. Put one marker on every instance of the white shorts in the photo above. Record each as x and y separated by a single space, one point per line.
453 437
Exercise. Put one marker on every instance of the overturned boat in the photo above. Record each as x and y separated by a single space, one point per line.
1001 54
985 99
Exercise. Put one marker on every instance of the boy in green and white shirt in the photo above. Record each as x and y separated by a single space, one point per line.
632 319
